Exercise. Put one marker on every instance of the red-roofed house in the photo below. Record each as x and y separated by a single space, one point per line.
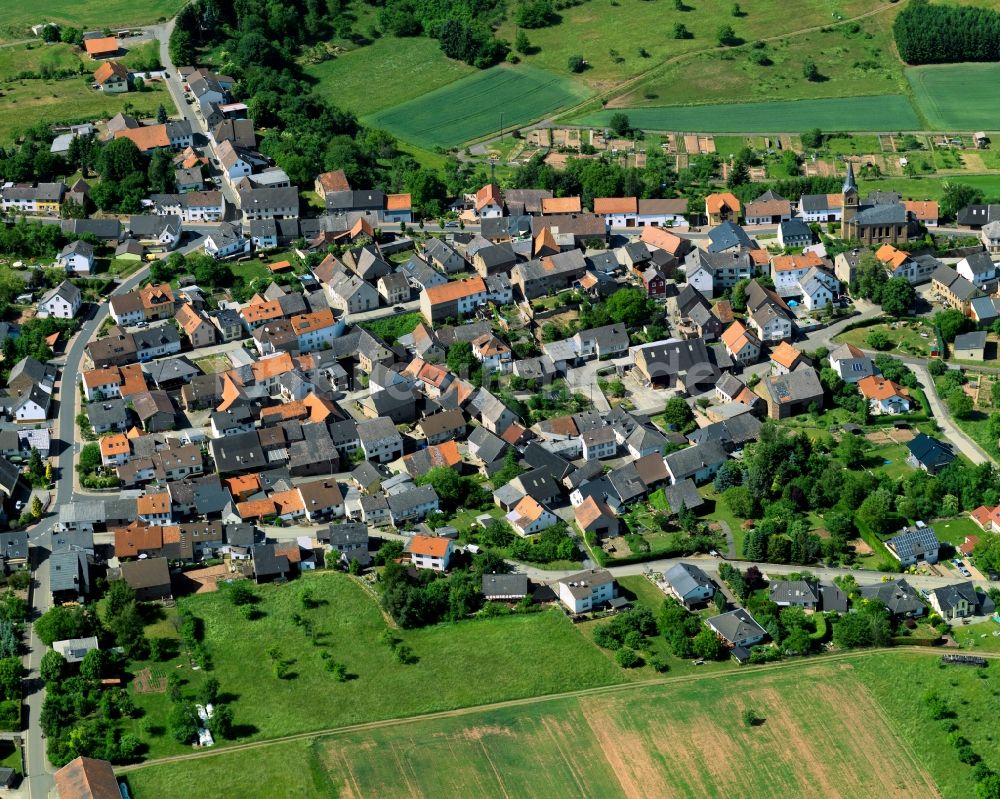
488 202
529 517
884 396
429 552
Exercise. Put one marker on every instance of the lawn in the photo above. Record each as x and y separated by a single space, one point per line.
70 100
980 636
890 112
383 74
931 188
390 328
537 654
683 739
18 16
904 336
622 38
954 531
475 106
846 59
956 96
36 57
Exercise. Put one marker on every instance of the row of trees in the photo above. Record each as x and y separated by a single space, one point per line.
945 34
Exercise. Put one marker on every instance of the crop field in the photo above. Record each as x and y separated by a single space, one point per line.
17 16
891 112
472 107
957 96
383 74
684 739
847 57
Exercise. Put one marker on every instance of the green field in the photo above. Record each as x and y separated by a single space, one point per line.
683 738
847 59
385 73
609 34
17 17
28 102
37 57
536 654
931 188
472 107
892 112
957 96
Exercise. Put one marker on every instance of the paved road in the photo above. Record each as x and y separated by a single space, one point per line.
953 432
38 777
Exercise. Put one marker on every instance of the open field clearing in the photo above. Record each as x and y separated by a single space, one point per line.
610 34
540 653
17 16
823 733
892 112
472 107
849 58
957 96
383 74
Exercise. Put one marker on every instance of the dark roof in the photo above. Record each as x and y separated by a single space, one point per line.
683 492
794 227
971 341
726 236
686 577
930 452
899 597
147 573
949 596
267 563
881 214
505 585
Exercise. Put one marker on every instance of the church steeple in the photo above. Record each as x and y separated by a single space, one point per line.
849 184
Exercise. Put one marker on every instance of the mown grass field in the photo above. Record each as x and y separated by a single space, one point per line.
609 34
957 96
848 60
471 107
17 16
892 112
838 728
534 654
386 73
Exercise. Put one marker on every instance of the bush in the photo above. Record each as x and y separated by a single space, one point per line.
628 658
576 63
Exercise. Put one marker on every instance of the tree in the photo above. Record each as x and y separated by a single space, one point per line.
61 622
736 11
52 667
36 507
960 404
876 511
740 501
955 196
209 693
221 723
812 138
627 658
719 601
749 716
620 124
241 593
576 63
706 645
878 340
851 450
161 114
726 36
951 322
521 43
680 31
90 458
867 626
809 70
897 296
92 665
678 414
461 359
12 672
535 14
630 306
183 723
738 298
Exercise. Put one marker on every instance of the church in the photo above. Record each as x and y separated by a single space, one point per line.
874 222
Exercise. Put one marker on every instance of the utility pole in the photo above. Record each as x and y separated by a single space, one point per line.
501 127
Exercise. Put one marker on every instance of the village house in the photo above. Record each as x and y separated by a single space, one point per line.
884 396
785 358
851 364
587 590
929 454
769 208
430 552
742 344
689 584
61 302
790 394
737 628
970 346
978 268
960 601
530 517
721 208
956 291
